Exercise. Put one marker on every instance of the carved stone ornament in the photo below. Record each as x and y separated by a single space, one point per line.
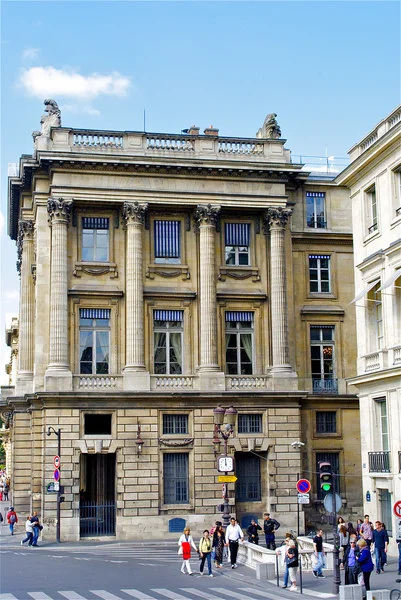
25 230
207 214
176 443
134 211
277 217
7 418
51 118
58 208
270 128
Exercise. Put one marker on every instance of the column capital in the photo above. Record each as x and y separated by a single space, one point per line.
276 217
25 232
207 214
59 209
134 212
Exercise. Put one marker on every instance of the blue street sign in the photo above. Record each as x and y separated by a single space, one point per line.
56 475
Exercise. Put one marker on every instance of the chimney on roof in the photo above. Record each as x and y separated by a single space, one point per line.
194 130
211 131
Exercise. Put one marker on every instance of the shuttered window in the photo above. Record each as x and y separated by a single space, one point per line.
237 243
167 241
95 239
247 469
175 478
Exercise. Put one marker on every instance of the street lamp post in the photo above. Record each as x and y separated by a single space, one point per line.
298 445
57 432
224 421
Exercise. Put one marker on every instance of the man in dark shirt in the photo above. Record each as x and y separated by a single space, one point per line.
380 540
319 554
269 527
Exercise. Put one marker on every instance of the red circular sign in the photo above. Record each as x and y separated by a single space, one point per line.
56 462
303 486
397 509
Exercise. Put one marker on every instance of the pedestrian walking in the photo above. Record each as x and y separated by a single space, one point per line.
319 554
380 540
365 562
293 564
233 536
358 528
398 540
185 542
12 519
252 531
366 531
282 551
1 518
205 553
351 566
6 489
340 521
36 526
269 527
344 538
1 490
29 532
351 529
218 544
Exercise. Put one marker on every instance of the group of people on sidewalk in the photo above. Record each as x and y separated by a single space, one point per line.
32 526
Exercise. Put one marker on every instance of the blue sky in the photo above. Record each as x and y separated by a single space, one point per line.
330 70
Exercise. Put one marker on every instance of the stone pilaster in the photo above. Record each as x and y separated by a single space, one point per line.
24 381
135 375
207 217
59 211
276 220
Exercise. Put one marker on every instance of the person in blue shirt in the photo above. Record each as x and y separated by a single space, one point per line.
351 566
380 540
365 562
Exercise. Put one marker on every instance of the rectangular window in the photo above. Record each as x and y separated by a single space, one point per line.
247 469
94 341
322 358
319 273
167 242
326 422
236 236
167 341
95 239
239 342
386 503
372 208
316 210
334 459
97 424
175 424
249 423
382 409
375 317
175 478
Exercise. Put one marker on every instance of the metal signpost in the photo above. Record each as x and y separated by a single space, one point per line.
56 477
303 488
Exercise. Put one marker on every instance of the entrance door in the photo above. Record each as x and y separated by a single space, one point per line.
97 508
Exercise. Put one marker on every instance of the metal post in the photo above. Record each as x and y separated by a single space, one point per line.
297 509
226 511
58 537
300 572
336 551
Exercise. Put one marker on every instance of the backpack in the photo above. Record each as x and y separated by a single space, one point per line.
12 519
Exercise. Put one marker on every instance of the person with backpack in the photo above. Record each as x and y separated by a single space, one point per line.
12 519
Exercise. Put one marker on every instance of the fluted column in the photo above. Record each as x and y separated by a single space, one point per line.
134 213
27 300
276 220
207 216
59 211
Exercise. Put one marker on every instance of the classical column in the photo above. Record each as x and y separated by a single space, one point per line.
27 301
276 220
207 216
59 211
133 213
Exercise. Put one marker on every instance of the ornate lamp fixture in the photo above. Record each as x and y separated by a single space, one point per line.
139 441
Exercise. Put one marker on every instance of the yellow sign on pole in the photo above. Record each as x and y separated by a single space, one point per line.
227 478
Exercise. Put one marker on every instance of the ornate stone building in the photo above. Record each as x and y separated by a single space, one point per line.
163 275
374 180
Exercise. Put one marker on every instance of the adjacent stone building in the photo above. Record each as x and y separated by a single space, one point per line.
163 275
374 180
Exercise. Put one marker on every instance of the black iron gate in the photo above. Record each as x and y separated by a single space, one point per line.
97 519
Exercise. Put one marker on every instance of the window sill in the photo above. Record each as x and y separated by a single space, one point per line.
170 271
396 221
321 295
371 236
95 268
238 272
174 507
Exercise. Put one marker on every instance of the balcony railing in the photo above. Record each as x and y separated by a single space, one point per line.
372 228
94 383
325 386
379 462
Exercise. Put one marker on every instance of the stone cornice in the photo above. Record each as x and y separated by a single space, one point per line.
327 239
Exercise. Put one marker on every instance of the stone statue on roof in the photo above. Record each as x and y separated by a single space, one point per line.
270 128
51 118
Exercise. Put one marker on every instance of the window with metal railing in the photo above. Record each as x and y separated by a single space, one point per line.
175 478
247 469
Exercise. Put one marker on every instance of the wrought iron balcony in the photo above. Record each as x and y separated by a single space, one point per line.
372 228
379 462
325 386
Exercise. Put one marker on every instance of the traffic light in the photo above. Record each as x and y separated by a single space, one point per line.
325 477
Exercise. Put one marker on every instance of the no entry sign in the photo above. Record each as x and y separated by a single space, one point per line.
397 509
303 486
56 462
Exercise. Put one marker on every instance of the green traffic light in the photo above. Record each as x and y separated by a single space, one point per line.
326 487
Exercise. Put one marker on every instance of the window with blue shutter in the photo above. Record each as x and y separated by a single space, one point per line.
236 240
239 342
316 210
319 273
95 239
167 241
167 341
94 341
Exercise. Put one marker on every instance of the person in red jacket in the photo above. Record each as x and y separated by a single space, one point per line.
12 519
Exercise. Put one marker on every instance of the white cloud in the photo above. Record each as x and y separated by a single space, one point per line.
48 81
30 53
75 108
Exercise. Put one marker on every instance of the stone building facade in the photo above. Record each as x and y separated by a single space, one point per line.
374 180
161 276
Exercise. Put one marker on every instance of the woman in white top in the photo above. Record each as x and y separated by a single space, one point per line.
185 542
28 531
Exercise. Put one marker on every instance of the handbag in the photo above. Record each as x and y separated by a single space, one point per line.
180 550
